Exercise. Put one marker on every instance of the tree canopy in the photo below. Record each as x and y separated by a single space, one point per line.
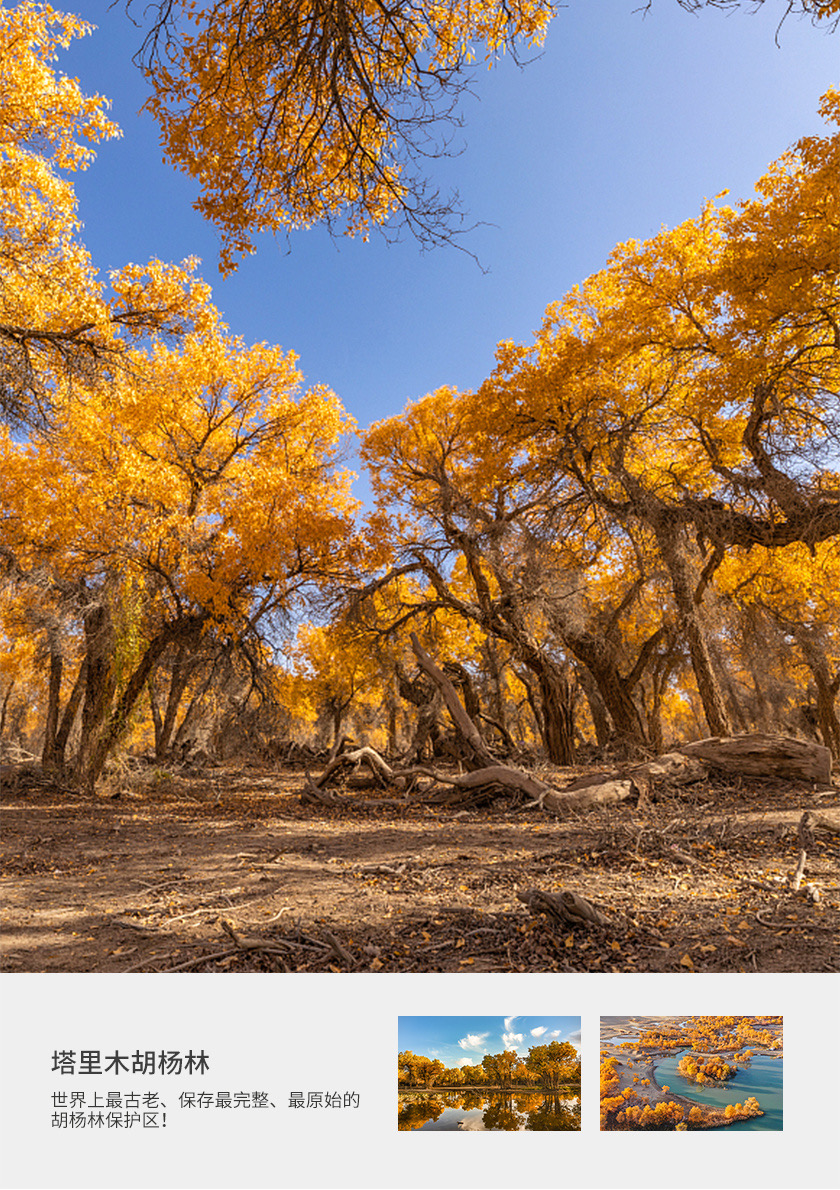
59 324
290 114
202 489
294 114
176 487
677 408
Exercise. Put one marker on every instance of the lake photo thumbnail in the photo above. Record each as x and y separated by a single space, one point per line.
489 1074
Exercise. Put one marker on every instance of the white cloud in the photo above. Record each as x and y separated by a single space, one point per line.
473 1041
538 1032
512 1040
462 1062
509 1023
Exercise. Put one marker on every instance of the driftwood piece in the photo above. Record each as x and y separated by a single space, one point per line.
564 909
580 795
800 870
811 820
483 784
596 789
764 755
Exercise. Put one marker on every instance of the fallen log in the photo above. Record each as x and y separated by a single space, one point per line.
381 775
588 792
764 755
504 778
580 795
755 755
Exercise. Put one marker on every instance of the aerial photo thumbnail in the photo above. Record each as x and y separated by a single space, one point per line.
682 1074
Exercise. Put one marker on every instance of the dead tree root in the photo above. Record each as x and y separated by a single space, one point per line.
565 909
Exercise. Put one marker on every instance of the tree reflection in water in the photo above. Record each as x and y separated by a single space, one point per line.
490 1111
418 1111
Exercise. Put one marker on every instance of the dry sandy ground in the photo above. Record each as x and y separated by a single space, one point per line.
227 869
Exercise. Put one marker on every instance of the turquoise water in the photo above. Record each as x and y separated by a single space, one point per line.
487 1111
761 1077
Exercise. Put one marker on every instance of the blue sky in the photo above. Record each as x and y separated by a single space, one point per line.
624 123
464 1040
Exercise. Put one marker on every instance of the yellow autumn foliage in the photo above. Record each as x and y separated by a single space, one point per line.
59 324
289 114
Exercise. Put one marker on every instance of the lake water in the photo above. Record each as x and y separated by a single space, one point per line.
489 1111
761 1077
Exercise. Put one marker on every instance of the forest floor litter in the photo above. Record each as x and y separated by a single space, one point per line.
227 869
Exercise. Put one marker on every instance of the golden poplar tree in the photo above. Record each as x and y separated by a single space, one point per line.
195 499
690 387
59 324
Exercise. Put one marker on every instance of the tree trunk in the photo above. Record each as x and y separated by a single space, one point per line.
481 756
753 631
557 717
191 713
727 687
337 710
5 707
660 675
53 702
672 549
600 716
177 686
100 684
71 710
426 728
498 702
597 655
460 676
157 718
813 650
109 732
531 700
173 702
392 723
